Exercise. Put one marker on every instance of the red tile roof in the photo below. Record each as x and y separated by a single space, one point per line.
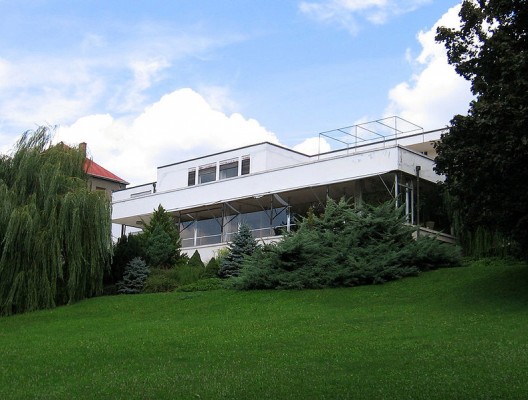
95 170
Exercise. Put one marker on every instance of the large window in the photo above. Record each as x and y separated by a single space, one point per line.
228 168
207 173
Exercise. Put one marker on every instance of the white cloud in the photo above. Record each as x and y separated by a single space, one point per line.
313 145
100 72
178 126
431 97
348 13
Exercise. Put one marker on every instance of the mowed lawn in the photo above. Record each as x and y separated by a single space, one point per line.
455 333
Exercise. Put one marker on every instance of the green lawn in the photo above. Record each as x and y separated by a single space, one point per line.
454 333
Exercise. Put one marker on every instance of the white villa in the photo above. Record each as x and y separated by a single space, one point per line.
267 186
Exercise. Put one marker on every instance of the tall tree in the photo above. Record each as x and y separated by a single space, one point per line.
55 234
162 240
485 154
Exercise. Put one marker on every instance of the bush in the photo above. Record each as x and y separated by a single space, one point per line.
212 268
196 261
186 274
161 280
345 246
203 285
136 273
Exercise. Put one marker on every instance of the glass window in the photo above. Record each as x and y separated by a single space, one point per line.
228 169
207 173
245 165
191 179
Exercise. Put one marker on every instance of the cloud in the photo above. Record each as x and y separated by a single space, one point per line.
116 71
347 14
313 145
178 126
433 95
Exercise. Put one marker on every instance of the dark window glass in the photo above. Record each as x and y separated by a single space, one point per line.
191 180
207 174
229 170
245 165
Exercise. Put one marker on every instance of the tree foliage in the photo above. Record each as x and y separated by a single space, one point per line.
55 234
134 278
162 242
127 248
242 245
345 246
485 154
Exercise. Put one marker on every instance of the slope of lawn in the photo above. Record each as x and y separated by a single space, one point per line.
453 333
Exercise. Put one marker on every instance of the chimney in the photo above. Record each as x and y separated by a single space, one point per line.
82 148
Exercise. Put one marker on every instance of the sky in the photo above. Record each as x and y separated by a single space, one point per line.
146 84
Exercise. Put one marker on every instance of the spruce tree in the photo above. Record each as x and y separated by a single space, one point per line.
135 277
243 245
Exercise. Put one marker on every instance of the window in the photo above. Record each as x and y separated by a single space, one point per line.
245 165
228 168
207 173
191 179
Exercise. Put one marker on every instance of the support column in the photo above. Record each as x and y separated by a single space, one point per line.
396 190
418 168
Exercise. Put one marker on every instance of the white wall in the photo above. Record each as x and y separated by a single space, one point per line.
310 174
263 156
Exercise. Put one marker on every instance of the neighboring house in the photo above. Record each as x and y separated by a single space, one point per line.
267 186
100 178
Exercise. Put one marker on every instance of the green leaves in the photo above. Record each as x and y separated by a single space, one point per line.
344 246
54 233
162 240
485 154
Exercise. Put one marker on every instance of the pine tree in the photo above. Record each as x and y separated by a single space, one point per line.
136 274
162 240
243 245
55 234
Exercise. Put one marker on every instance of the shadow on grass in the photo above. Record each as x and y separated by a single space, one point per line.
502 284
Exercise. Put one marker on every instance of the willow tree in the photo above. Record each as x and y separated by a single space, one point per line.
55 234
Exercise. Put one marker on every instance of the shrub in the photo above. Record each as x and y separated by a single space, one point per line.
186 274
196 261
203 285
211 269
161 280
134 278
345 246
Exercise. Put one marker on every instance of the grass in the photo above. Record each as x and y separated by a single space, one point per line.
454 333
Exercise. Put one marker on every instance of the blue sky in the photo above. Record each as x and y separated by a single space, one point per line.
149 83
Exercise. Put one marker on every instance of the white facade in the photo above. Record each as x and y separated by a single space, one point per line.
266 186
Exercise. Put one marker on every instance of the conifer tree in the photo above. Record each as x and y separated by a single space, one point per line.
243 245
211 269
196 261
162 240
134 278
55 234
